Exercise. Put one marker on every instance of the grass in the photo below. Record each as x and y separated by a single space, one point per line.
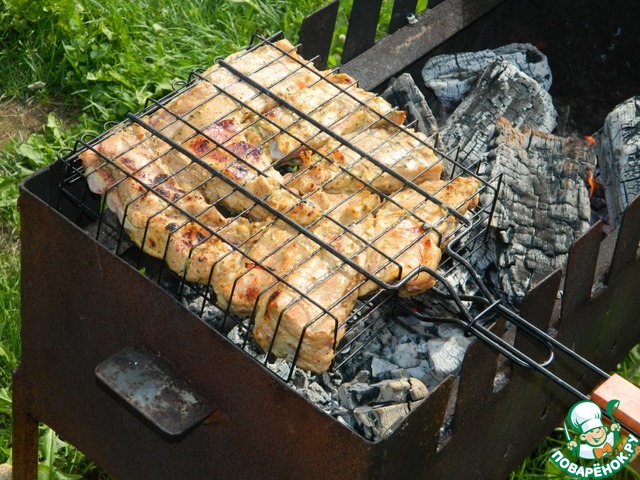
9 331
97 61
109 56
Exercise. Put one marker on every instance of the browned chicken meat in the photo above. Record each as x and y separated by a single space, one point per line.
306 312
411 230
242 192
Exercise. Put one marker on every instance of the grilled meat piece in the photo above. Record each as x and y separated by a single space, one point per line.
411 230
168 222
155 190
276 67
303 317
338 168
256 264
242 277
335 103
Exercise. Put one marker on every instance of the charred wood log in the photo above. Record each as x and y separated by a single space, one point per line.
619 156
543 205
503 91
403 93
452 76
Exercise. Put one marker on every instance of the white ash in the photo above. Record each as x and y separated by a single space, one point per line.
375 422
452 76
381 368
409 352
396 371
397 390
500 381
447 354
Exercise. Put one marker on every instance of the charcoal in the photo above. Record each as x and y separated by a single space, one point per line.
346 419
356 394
452 76
446 354
316 394
375 422
363 376
394 374
409 352
502 91
403 93
239 336
446 330
619 155
422 372
279 366
330 381
352 394
536 221
299 380
381 368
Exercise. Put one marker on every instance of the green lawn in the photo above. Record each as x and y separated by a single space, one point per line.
95 61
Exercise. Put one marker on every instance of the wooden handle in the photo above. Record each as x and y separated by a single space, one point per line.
616 387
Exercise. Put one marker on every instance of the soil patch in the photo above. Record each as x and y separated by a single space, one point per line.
20 119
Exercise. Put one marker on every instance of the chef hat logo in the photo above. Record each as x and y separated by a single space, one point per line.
585 416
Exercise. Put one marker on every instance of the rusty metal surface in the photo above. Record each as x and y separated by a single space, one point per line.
580 269
316 33
83 304
628 238
410 451
25 431
602 329
399 16
405 46
361 32
99 305
125 309
233 443
538 309
147 384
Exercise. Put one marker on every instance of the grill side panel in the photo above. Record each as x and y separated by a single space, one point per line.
83 304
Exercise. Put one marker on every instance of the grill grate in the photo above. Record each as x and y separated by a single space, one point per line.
136 183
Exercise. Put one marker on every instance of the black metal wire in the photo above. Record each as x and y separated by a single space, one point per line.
156 106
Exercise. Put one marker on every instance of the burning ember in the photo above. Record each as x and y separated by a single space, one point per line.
593 184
